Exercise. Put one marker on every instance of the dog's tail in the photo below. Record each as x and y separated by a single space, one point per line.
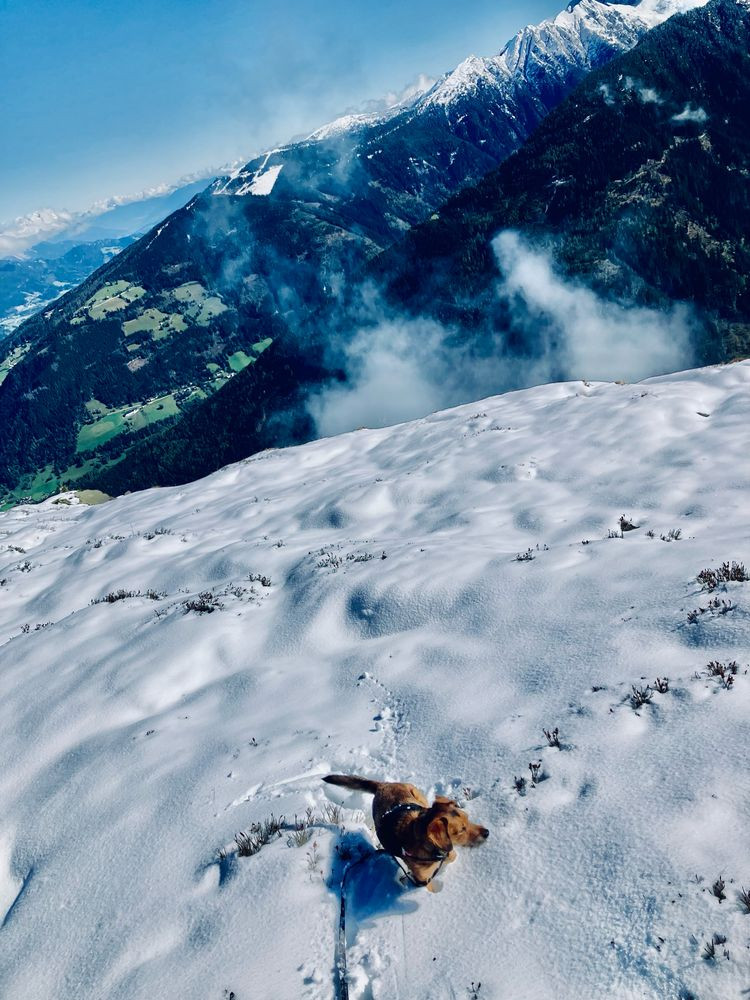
352 781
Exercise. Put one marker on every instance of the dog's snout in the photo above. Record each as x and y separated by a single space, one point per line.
484 832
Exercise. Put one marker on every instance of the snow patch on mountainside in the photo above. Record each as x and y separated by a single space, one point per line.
413 603
263 182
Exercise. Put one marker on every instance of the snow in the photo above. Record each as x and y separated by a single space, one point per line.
137 737
346 124
264 181
572 36
259 182
33 302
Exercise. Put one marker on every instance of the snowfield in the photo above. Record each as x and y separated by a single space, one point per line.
394 634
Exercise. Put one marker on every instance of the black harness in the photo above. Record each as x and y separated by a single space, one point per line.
438 857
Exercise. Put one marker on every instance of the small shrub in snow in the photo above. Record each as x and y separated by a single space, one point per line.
247 844
553 738
733 572
640 696
328 560
301 830
313 860
469 793
715 606
520 785
526 556
614 534
24 567
743 898
331 813
204 604
650 533
121 595
157 531
718 890
723 672
472 991
673 535
535 766
260 834
709 948
113 596
721 607
264 581
626 524
661 684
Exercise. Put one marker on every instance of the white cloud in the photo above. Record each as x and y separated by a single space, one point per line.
588 336
649 96
391 377
691 114
399 368
22 233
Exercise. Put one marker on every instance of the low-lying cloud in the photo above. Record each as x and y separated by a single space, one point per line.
587 335
400 368
691 114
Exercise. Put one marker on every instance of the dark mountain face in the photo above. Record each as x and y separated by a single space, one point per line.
636 186
266 257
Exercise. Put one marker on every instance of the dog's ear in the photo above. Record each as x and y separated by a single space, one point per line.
437 833
443 800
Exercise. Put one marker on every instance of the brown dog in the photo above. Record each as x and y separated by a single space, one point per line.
409 828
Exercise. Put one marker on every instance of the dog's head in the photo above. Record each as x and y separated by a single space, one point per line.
449 827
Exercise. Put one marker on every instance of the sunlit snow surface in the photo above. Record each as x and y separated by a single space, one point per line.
137 737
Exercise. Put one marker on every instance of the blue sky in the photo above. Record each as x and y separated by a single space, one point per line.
104 98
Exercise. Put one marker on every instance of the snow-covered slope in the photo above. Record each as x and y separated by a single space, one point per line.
398 635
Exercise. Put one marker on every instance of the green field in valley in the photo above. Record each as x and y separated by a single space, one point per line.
125 418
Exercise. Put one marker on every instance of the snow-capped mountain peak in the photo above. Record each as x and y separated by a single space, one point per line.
466 77
583 33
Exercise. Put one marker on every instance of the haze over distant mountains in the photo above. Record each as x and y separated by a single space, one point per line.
229 320
47 253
